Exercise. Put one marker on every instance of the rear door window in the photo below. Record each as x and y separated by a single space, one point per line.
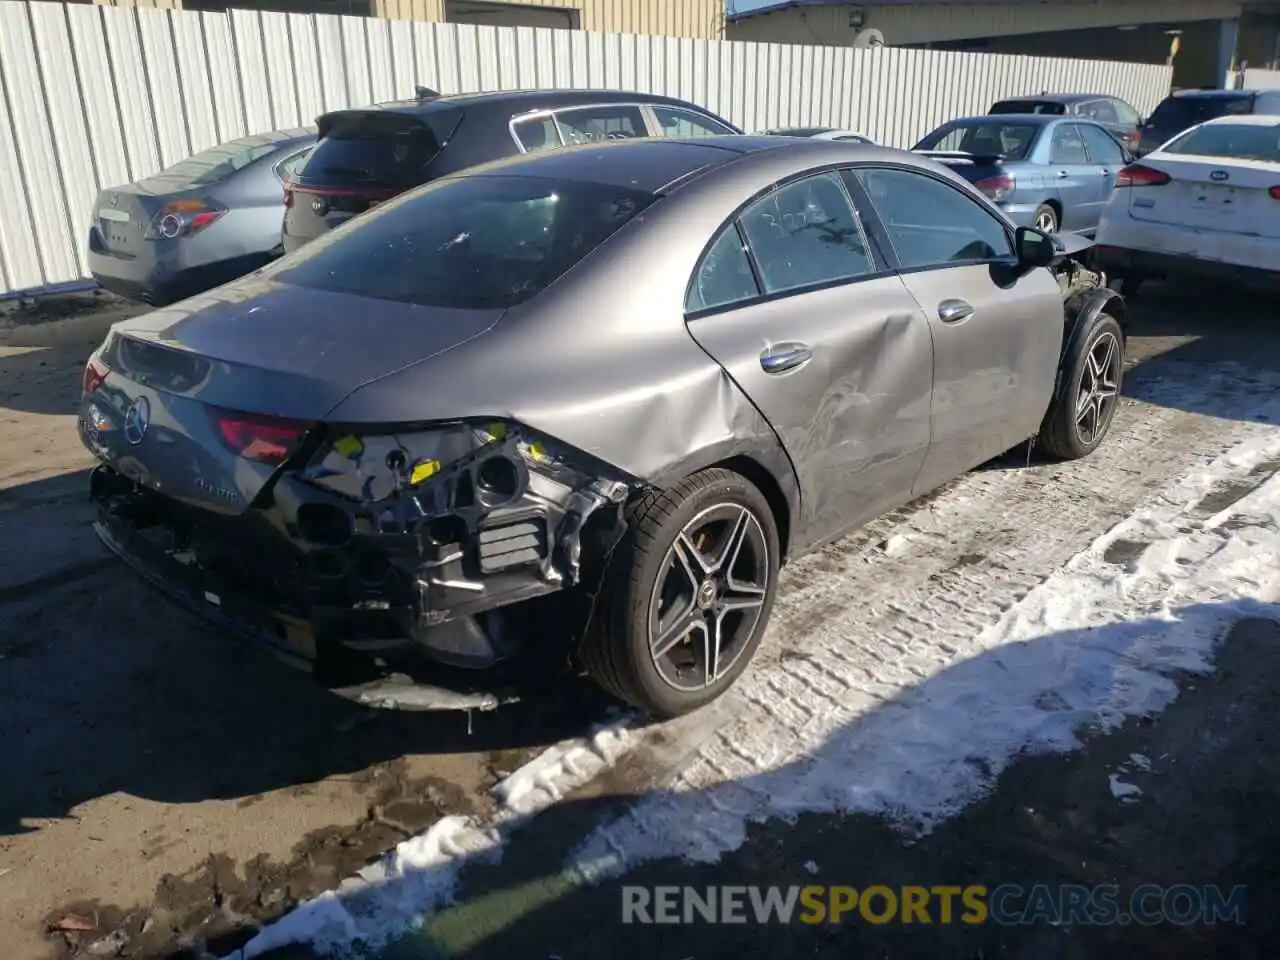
1100 110
379 149
468 243
675 122
1068 145
536 133
724 275
807 233
1126 114
1102 147
596 124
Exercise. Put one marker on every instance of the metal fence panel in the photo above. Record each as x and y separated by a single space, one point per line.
92 96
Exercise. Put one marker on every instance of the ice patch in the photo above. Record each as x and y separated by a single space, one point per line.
421 874
1120 789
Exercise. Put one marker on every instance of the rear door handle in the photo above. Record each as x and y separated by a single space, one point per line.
1063 174
953 311
782 357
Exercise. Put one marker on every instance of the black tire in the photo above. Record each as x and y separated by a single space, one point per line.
616 649
1061 436
1046 214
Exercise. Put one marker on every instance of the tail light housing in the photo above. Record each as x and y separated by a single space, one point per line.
288 197
996 188
1275 193
261 439
184 218
95 371
1138 175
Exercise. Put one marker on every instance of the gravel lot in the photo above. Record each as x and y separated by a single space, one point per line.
165 785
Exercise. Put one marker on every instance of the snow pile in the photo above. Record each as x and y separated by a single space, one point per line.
1094 644
421 874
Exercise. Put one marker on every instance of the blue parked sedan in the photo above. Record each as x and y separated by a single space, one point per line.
1054 173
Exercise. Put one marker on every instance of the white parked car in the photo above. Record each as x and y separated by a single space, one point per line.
821 133
1205 204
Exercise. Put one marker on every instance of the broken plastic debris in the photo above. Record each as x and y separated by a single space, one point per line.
73 923
423 470
349 446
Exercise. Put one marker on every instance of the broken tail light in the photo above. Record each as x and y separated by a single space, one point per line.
95 371
1138 175
996 188
184 218
263 439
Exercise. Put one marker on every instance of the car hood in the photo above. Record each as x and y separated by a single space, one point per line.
273 348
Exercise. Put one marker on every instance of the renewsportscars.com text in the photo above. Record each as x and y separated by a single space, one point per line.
1007 904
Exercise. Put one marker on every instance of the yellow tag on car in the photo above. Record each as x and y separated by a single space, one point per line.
349 446
424 471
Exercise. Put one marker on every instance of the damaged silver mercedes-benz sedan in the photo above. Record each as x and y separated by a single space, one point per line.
641 374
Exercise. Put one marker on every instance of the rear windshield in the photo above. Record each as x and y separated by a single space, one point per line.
1028 106
217 163
379 149
470 243
1178 113
1237 141
1009 140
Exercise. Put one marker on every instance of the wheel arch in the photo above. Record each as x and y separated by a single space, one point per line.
1083 308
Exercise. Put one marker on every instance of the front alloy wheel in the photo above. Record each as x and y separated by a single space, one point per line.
1088 393
687 595
1099 391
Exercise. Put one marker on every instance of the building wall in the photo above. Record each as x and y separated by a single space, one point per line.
922 23
699 19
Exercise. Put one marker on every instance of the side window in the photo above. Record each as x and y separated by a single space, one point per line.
1125 114
931 224
605 122
724 276
1102 147
1068 145
806 233
685 123
537 133
1100 110
290 167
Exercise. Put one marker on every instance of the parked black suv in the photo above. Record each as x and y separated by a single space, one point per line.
1186 108
367 155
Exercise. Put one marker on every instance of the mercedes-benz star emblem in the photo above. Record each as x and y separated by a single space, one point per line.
320 205
136 420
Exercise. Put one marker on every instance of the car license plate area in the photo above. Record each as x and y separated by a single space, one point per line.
119 234
1214 200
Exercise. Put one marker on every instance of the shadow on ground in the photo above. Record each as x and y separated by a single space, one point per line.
1208 768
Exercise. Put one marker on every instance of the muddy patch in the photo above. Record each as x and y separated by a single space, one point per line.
221 904
1124 552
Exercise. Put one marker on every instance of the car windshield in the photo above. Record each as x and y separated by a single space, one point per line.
378 149
1009 140
1178 113
1236 141
470 243
1028 106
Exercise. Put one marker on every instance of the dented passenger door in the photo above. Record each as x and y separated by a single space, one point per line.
793 303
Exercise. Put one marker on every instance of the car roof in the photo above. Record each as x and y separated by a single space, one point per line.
1213 94
797 131
521 101
1244 119
1058 97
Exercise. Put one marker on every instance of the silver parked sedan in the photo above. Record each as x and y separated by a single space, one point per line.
641 374
204 221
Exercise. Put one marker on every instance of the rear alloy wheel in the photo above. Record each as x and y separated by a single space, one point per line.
1089 393
1046 219
688 595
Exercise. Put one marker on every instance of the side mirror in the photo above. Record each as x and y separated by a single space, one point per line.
1035 249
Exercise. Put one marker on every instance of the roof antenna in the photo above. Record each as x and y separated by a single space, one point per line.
425 93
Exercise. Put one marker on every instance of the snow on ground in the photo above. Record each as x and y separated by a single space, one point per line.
911 675
1096 643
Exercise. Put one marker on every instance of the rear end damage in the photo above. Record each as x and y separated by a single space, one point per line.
387 561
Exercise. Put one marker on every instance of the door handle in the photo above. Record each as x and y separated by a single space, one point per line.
1063 174
953 311
782 357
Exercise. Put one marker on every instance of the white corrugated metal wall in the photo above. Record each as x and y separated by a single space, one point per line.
1255 79
95 96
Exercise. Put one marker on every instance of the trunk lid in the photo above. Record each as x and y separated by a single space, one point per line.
190 387
985 171
1208 193
123 216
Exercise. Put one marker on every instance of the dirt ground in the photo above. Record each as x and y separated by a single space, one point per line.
165 786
